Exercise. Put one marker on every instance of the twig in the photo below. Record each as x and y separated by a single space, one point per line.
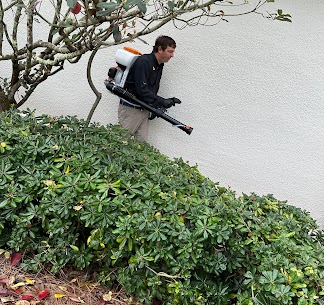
164 274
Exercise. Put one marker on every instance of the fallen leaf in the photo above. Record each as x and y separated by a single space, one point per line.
15 258
4 292
7 299
19 290
22 302
44 294
107 297
15 286
27 297
29 281
59 295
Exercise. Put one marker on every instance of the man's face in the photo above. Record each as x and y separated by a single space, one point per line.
164 56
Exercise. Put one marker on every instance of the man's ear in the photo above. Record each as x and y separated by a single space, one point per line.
160 49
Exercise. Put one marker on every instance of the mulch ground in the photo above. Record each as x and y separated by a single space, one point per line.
69 287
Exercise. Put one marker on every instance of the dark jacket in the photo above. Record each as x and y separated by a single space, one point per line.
144 78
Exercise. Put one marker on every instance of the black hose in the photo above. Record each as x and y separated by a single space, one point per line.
121 92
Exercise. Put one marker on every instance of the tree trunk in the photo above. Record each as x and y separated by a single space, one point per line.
4 102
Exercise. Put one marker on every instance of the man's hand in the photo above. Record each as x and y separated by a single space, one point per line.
169 102
176 100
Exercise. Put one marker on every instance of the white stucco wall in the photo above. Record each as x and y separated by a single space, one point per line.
251 88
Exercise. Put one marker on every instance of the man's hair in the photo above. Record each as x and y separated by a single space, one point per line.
163 42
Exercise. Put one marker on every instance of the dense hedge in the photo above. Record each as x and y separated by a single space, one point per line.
87 196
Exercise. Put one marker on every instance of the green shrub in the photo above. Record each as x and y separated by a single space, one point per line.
88 196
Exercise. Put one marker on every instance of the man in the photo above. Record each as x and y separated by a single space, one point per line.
143 81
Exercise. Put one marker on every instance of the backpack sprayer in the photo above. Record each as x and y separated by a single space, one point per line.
116 80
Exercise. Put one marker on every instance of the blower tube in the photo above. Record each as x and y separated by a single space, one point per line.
121 92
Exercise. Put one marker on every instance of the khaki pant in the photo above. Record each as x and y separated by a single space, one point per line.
135 120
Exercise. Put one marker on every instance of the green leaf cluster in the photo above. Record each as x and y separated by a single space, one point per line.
282 17
106 8
72 194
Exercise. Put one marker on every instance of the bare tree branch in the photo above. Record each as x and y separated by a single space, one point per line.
99 24
1 26
29 43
